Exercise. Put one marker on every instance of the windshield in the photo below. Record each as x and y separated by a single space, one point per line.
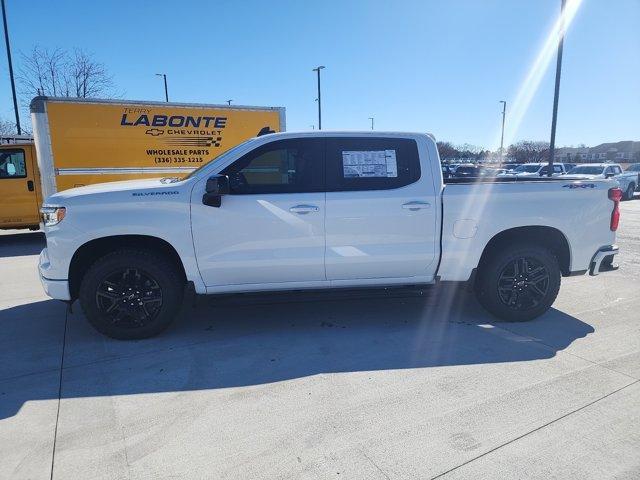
529 168
633 168
587 170
219 157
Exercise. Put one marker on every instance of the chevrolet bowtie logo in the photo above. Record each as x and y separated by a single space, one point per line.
154 131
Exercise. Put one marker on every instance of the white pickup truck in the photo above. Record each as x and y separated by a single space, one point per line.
321 210
627 181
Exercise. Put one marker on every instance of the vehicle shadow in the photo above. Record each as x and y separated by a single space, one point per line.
239 341
21 244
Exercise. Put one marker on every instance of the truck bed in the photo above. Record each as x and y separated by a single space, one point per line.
473 211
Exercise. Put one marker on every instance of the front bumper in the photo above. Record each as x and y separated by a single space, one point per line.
58 289
603 260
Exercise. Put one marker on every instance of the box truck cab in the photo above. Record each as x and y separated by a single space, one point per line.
20 192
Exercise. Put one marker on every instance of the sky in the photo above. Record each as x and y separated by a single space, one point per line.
438 66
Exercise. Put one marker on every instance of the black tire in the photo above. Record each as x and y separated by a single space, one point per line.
528 273
131 294
628 195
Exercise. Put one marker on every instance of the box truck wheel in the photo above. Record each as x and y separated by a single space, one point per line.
518 283
131 294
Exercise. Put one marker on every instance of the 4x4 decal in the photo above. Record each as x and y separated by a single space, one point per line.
579 185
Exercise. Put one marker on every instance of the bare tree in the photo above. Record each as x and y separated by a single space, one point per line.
447 150
88 78
7 128
61 74
529 151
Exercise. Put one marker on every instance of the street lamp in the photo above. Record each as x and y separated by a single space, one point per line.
504 109
556 93
317 69
229 101
13 84
166 92
371 118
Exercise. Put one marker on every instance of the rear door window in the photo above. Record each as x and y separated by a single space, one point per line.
362 163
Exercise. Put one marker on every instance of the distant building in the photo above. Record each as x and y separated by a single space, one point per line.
619 152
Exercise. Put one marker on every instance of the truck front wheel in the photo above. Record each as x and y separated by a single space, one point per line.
131 294
518 283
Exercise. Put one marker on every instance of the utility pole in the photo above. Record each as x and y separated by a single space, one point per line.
166 92
504 109
319 99
229 101
13 83
556 93
313 127
371 118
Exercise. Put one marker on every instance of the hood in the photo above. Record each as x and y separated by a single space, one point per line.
143 186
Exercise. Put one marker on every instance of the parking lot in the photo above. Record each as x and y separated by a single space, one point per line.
384 384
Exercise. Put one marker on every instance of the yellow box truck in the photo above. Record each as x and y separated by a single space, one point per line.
80 142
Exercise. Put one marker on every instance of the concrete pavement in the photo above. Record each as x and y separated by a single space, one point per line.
378 385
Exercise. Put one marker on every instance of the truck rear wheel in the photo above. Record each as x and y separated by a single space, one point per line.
131 294
518 283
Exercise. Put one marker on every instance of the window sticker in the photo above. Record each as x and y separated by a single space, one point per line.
369 164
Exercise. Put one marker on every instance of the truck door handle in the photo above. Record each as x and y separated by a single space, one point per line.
303 209
30 185
413 206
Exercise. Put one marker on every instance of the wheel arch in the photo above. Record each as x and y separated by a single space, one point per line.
92 250
551 238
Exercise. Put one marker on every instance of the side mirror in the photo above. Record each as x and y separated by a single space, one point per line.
217 186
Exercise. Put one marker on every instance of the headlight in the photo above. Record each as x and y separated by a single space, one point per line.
52 215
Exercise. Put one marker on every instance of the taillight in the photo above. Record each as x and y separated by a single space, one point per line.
615 194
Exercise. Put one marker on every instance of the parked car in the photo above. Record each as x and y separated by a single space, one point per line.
491 172
312 210
510 166
447 171
537 169
468 171
628 181
634 168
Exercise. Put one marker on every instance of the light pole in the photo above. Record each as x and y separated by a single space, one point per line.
504 109
13 84
556 93
166 92
313 127
317 69
371 118
229 101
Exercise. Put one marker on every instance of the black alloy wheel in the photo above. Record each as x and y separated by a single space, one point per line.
523 283
518 282
130 298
